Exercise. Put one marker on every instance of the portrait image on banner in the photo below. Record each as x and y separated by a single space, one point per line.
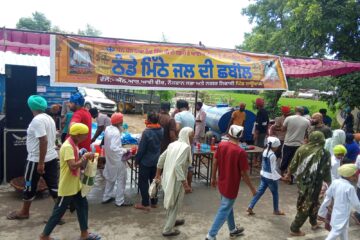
105 63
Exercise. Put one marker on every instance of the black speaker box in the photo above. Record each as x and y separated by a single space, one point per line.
20 83
15 153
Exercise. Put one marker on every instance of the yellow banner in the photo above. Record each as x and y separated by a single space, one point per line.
98 62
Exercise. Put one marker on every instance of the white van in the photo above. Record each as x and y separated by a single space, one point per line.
96 98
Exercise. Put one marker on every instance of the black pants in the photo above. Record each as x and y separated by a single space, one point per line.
81 206
32 177
288 153
146 176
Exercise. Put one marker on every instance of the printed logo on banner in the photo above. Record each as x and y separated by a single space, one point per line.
19 141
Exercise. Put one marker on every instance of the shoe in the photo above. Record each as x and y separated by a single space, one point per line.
108 201
179 222
125 204
238 232
357 221
171 234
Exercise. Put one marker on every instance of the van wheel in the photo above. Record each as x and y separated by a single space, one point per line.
87 106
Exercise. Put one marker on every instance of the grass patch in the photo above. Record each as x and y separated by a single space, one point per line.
248 99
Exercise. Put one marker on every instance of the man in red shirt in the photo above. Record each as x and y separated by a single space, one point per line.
81 115
232 163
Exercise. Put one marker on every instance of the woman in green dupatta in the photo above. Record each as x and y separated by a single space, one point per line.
311 166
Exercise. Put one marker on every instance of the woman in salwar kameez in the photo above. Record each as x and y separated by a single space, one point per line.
174 163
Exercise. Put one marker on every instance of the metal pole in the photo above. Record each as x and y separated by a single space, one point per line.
196 99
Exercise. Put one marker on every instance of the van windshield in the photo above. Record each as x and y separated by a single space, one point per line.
94 93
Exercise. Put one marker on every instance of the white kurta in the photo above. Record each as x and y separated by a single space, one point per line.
335 164
115 169
345 198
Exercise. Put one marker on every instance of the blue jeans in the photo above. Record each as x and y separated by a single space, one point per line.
225 213
264 184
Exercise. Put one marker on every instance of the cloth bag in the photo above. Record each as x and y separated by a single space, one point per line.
89 176
153 189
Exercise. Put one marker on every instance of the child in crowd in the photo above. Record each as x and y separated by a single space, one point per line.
336 160
343 194
269 176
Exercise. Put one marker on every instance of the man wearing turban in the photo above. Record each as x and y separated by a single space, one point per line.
276 130
42 159
70 184
81 115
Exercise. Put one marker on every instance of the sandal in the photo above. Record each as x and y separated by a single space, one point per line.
357 221
14 216
279 213
316 227
179 222
171 234
250 212
141 207
92 236
297 234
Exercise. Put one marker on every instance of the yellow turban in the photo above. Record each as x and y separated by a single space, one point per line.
78 129
347 170
339 149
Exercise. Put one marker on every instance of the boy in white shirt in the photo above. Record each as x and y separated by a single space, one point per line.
343 194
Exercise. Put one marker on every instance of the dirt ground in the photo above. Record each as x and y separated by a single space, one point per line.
127 223
136 122
199 209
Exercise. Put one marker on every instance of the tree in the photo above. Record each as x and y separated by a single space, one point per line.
90 31
347 93
38 22
311 28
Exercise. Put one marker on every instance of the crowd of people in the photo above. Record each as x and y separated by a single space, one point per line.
297 148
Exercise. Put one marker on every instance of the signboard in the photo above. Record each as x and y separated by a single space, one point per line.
108 63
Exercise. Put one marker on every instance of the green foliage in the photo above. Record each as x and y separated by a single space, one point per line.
165 95
311 28
319 83
38 22
89 31
347 92
271 102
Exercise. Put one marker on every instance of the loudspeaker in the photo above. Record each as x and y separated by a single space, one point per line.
20 83
15 153
2 126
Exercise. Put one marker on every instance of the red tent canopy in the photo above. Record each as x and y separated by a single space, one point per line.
307 68
27 42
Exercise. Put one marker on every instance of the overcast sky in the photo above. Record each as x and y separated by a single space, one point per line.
217 23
